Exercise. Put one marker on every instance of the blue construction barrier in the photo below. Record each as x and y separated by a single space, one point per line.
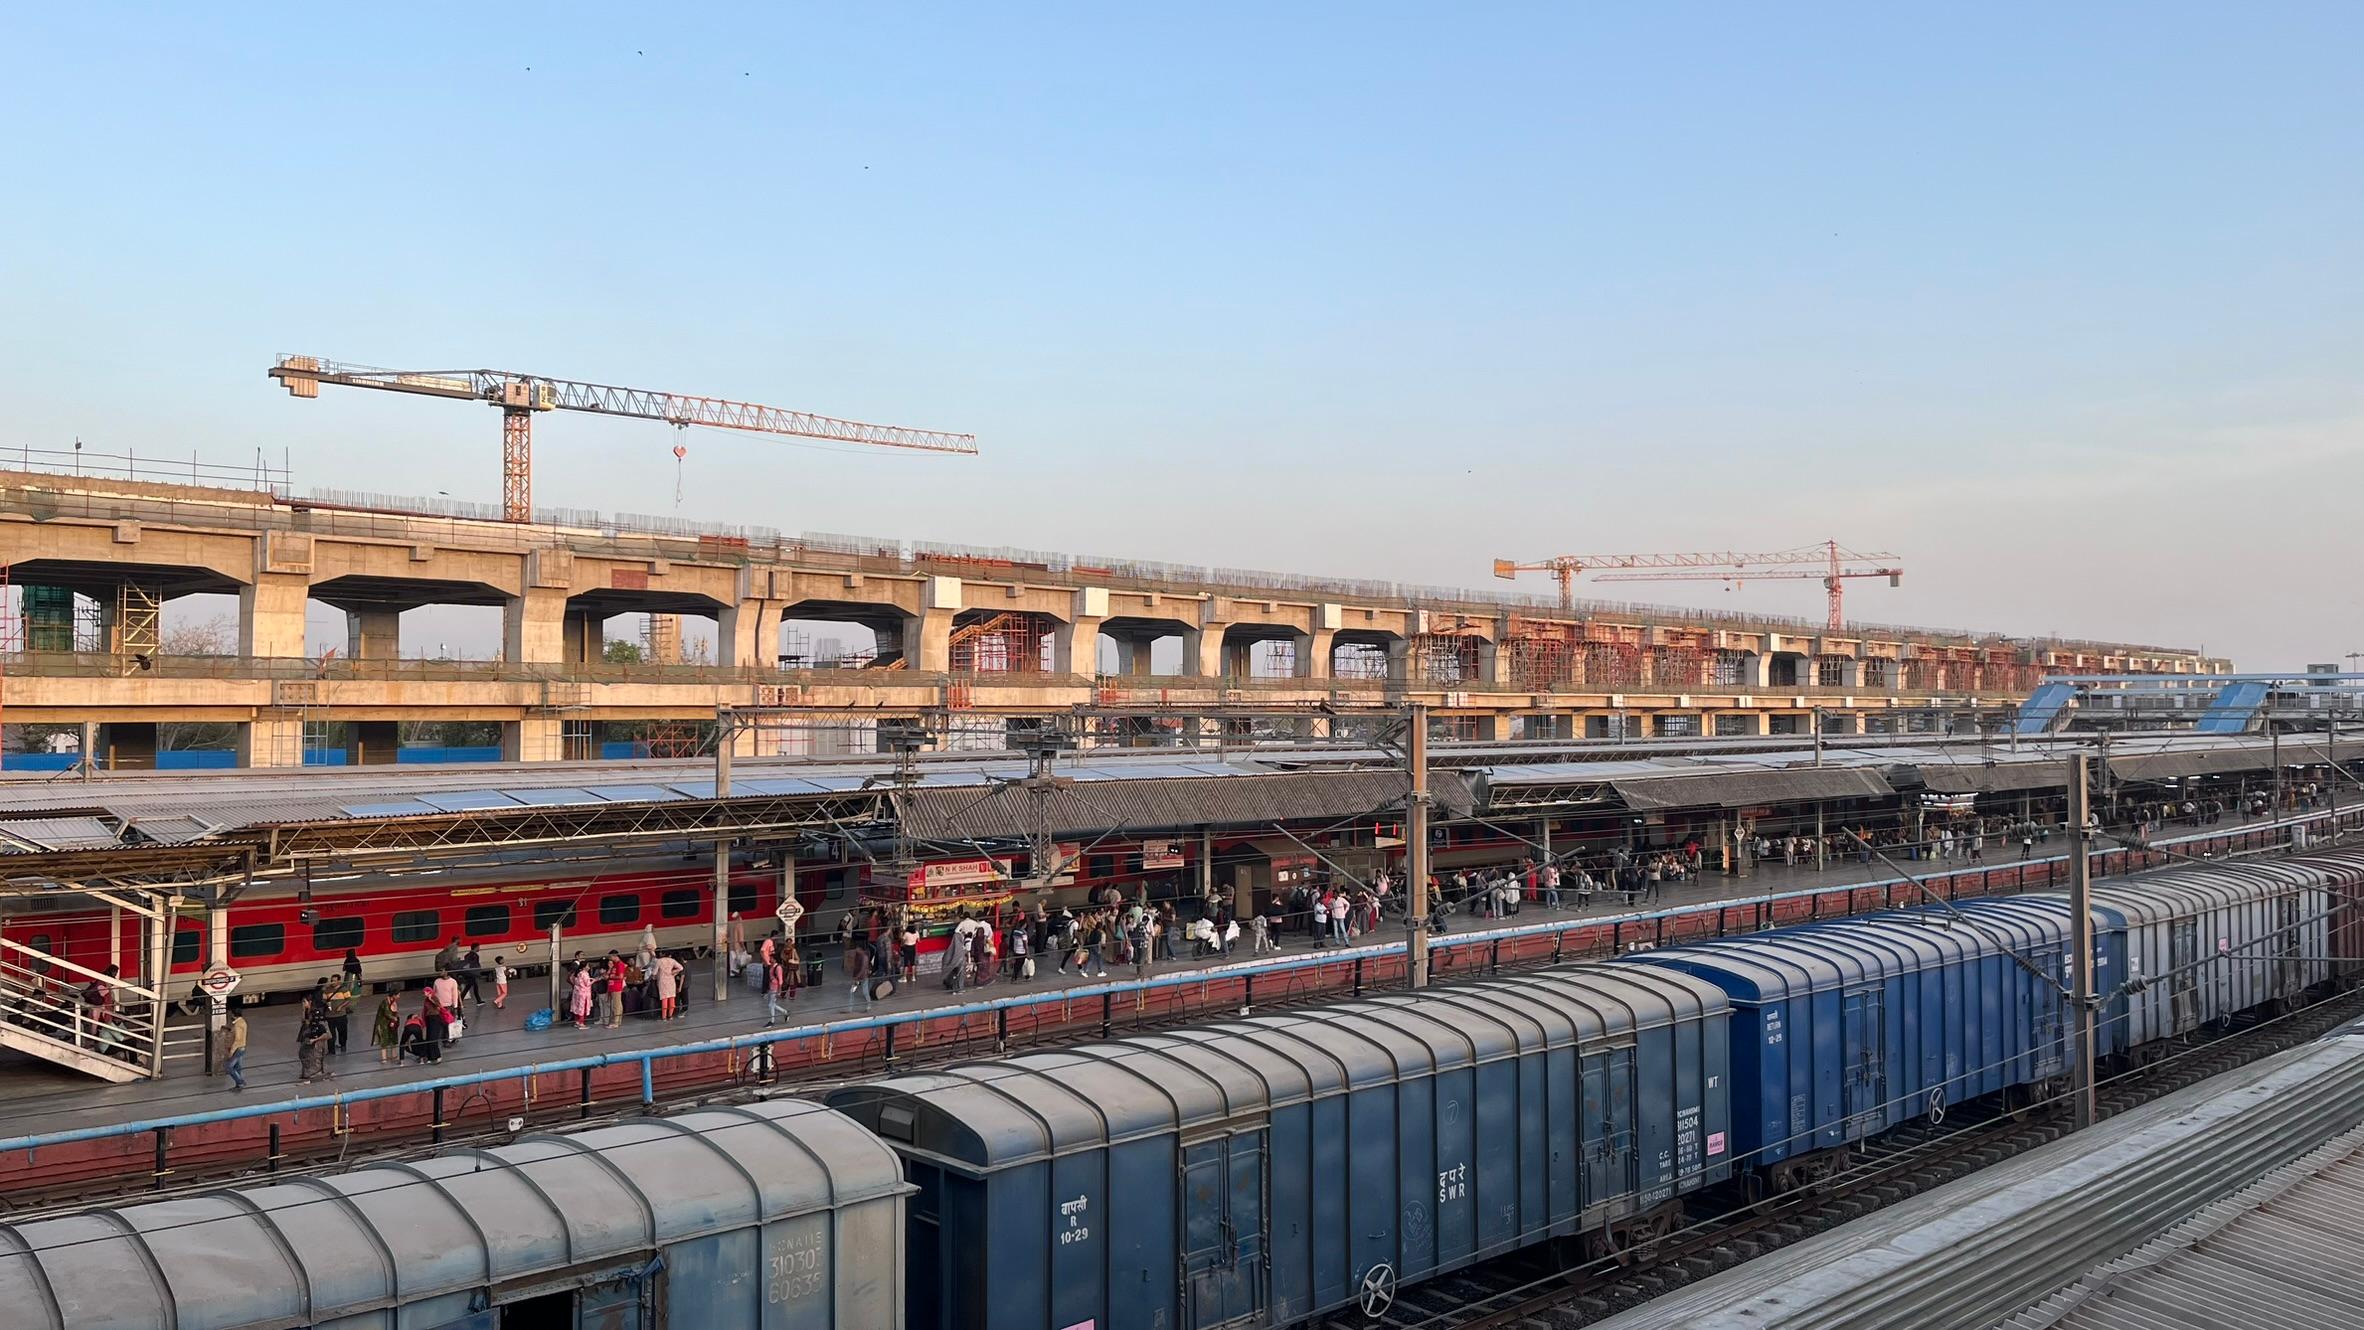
630 750
172 759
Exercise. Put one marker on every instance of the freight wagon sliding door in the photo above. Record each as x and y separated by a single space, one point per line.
1223 1231
1863 1017
1608 1126
2046 1034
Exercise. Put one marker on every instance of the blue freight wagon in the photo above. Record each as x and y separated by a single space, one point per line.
1847 1029
1262 1171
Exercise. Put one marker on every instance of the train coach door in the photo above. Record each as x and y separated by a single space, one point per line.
1863 1017
1608 1126
1223 1210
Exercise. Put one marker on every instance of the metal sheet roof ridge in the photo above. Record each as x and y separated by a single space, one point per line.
2062 1309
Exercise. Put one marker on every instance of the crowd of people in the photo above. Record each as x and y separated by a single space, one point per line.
880 949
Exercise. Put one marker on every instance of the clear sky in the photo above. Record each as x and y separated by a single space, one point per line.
2059 302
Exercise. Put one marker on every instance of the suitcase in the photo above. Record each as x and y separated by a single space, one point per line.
881 989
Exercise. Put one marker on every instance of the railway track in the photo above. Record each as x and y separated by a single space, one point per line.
1528 1291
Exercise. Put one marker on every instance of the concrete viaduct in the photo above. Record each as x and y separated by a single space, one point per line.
992 637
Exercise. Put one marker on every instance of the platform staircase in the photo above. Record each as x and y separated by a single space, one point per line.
42 1014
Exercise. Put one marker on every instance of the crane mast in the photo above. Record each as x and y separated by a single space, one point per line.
520 396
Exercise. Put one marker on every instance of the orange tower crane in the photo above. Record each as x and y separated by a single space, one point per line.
521 395
1829 562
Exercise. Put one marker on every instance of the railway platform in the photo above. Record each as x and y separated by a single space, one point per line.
38 1097
65 1138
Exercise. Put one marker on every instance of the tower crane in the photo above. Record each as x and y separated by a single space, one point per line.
519 396
1829 562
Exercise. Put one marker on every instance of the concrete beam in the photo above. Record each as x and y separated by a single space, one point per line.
373 635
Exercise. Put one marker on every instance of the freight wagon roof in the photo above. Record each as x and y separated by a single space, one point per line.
310 1250
990 1115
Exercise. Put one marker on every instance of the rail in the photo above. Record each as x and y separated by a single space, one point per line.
412 520
1350 970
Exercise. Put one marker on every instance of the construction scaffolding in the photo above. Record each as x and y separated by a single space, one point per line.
1542 655
1446 658
660 639
1358 660
139 627
1001 642
1610 657
1678 666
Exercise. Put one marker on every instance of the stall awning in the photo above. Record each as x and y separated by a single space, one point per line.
1744 789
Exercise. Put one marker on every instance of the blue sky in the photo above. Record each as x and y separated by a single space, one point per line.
2027 294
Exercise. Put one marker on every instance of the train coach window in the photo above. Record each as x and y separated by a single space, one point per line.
619 909
486 921
417 925
251 940
546 913
679 904
336 934
187 945
742 898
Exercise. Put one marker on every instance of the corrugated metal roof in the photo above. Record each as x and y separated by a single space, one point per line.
300 1251
1998 777
61 833
2170 764
175 830
2281 1255
1741 789
1243 798
1972 1253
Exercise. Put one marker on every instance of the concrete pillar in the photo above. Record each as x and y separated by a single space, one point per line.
1399 660
747 635
1313 653
1494 728
127 746
1075 647
271 616
373 634
533 628
49 618
1239 659
1202 652
1133 655
1493 663
271 741
582 638
533 739
928 641
373 743
1758 669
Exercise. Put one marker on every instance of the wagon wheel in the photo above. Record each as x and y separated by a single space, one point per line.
1378 1290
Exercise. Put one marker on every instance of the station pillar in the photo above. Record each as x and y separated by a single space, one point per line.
373 743
373 634
127 746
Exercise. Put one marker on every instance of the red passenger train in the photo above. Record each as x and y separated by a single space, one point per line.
280 941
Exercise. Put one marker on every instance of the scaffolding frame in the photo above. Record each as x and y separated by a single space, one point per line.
1003 642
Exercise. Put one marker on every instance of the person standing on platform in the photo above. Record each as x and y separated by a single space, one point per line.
234 1062
791 964
579 996
668 972
775 981
312 1039
857 971
601 1001
340 1014
353 969
385 1031
613 982
907 951
500 981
